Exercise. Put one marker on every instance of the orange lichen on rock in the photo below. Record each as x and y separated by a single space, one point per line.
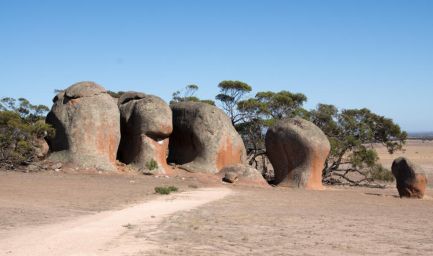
317 164
410 178
146 124
203 139
297 149
229 154
159 151
87 126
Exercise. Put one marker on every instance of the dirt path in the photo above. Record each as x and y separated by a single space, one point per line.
105 233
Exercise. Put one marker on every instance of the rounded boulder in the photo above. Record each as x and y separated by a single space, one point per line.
243 175
410 178
87 123
203 139
297 150
146 124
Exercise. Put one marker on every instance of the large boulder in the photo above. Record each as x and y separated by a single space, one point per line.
203 139
297 149
146 124
243 174
410 177
87 124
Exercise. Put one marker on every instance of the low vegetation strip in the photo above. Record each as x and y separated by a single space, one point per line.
165 190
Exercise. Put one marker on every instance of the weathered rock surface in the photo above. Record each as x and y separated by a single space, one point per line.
297 149
410 178
41 148
146 124
87 123
203 139
243 174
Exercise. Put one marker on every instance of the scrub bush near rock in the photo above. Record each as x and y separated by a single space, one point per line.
22 132
152 165
380 173
165 190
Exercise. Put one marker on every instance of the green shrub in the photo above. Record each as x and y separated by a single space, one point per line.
378 172
21 126
165 190
152 165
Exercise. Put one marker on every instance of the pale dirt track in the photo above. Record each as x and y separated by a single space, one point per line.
105 233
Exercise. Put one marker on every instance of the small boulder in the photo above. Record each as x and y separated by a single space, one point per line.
41 148
146 124
203 139
410 178
243 174
297 149
87 123
32 168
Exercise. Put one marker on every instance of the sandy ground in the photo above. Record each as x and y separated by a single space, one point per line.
47 197
105 233
47 211
420 152
296 222
121 215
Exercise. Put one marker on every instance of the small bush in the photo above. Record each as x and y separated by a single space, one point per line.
152 165
165 190
378 172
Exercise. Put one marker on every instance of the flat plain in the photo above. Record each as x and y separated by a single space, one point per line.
246 221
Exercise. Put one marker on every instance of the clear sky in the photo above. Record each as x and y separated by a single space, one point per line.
376 54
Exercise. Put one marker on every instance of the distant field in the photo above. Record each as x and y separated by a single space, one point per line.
419 151
421 135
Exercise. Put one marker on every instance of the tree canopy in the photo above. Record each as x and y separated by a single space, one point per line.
256 114
352 134
188 94
231 92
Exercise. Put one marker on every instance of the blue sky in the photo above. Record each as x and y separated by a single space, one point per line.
375 54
